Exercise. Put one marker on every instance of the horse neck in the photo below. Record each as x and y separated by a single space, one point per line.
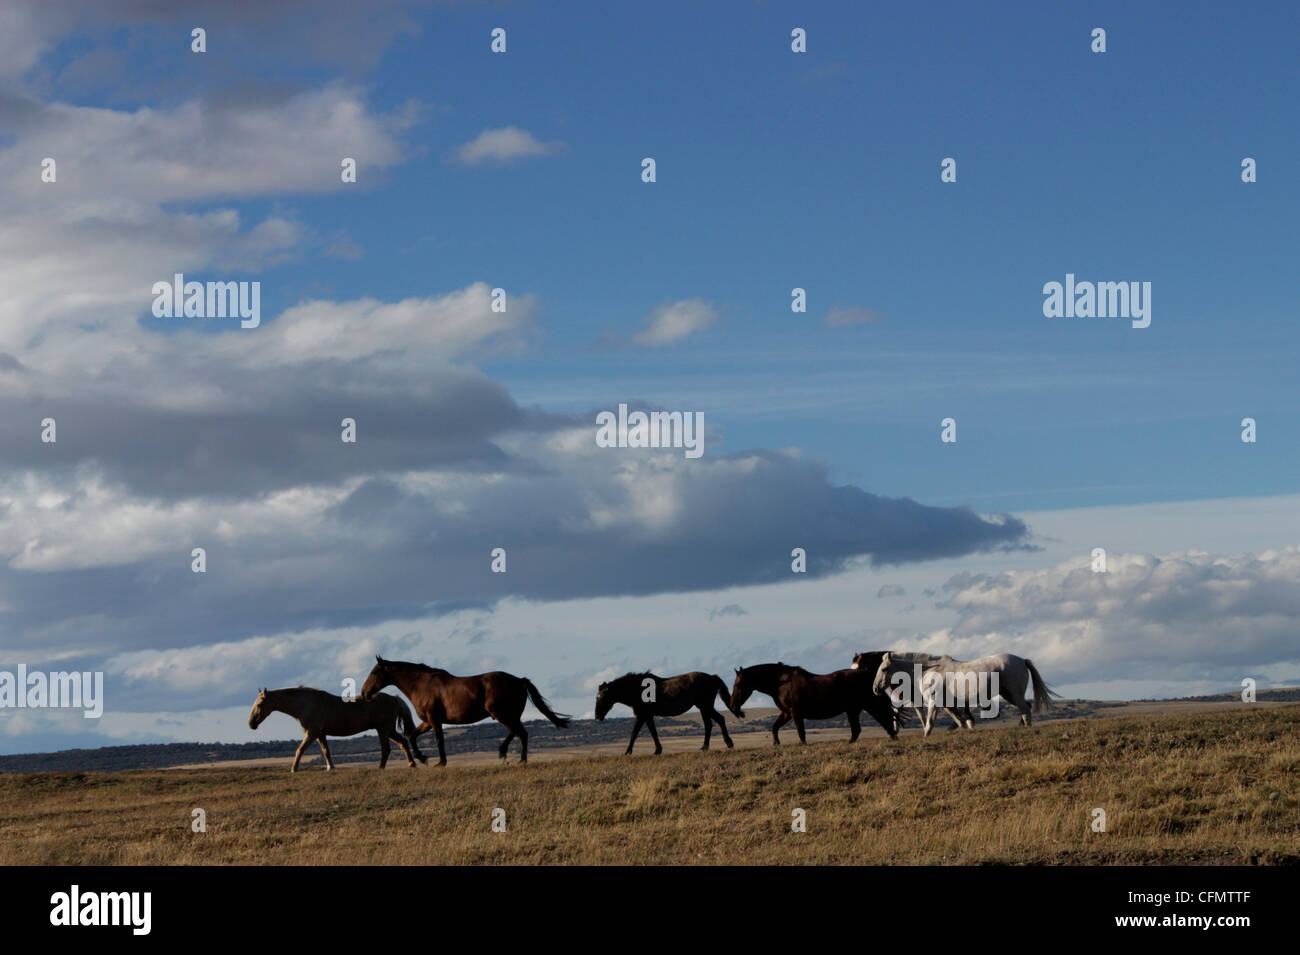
284 701
905 661
406 680
767 675
627 689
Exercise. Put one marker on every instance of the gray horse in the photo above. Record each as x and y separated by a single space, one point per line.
1012 675
906 662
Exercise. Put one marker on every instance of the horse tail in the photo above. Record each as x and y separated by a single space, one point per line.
559 719
1042 692
725 695
408 729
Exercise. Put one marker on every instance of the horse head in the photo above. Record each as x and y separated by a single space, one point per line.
381 675
741 690
604 700
882 672
259 711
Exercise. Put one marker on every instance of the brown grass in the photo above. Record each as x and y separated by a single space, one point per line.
1215 787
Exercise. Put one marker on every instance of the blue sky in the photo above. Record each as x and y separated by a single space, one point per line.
775 170
820 171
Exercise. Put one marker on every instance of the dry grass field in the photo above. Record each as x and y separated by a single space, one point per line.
1217 786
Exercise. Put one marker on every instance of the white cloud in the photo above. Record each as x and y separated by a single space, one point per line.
1180 615
671 323
504 145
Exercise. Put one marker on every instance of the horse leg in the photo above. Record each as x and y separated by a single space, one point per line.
636 731
384 748
523 741
708 728
405 749
855 728
442 747
1019 702
297 757
928 722
505 744
324 748
722 725
798 727
781 720
654 735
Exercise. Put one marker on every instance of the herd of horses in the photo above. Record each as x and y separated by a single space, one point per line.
868 686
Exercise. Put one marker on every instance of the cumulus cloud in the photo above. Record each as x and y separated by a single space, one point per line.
1174 617
504 145
198 150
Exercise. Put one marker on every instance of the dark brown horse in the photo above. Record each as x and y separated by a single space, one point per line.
323 714
649 696
439 697
802 695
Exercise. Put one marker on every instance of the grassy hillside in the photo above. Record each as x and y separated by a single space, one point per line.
1211 787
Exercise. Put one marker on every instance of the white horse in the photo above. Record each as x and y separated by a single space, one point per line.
1013 674
895 661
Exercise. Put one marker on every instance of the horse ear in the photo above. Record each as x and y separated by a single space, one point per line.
737 669
378 658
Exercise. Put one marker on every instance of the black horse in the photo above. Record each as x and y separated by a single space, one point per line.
802 695
649 696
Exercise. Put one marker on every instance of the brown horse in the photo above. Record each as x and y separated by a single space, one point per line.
439 697
802 695
323 714
649 696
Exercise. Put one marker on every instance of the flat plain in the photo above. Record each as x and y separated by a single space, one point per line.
1212 784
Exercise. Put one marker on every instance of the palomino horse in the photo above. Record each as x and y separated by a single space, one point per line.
955 678
668 696
802 695
439 697
324 714
906 663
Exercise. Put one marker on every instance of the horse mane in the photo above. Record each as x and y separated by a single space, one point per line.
418 667
910 656
303 690
633 675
